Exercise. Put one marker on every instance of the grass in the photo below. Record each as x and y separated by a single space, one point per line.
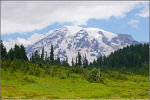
115 86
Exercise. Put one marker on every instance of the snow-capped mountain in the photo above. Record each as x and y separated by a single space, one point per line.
92 42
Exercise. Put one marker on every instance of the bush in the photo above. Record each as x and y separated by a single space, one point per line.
85 73
94 76
28 79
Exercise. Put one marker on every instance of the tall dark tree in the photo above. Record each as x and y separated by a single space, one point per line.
23 53
79 59
99 61
42 55
65 62
76 63
66 59
58 60
72 62
11 54
32 59
36 56
94 63
3 51
46 57
52 54
17 51
85 62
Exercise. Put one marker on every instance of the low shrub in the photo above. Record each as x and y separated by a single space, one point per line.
28 79
94 76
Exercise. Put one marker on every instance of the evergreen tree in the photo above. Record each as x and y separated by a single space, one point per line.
99 61
46 57
42 55
3 51
79 59
94 63
52 54
58 60
66 61
32 59
23 53
72 62
36 56
17 51
85 62
11 54
76 62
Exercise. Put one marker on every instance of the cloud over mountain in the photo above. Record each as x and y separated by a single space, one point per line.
26 16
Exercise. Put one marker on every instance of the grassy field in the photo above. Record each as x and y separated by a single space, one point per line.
115 86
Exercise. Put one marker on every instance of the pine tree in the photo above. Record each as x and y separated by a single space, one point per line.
36 56
32 58
94 63
11 54
72 62
3 51
79 59
42 55
76 61
66 61
52 54
46 57
23 53
85 62
58 60
99 61
17 52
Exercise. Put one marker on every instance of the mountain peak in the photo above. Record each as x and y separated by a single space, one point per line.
93 42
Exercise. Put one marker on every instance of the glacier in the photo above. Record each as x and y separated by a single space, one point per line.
92 42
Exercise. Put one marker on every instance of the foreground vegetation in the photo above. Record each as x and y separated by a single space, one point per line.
74 82
123 74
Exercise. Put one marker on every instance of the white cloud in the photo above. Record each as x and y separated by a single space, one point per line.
145 11
134 23
34 38
25 16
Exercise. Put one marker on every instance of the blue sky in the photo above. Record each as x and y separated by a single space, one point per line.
129 18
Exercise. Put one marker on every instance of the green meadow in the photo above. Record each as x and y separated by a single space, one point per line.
124 74
73 85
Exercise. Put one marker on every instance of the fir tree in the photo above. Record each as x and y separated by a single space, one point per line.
79 59
11 54
52 54
36 56
42 55
76 62
72 62
58 60
46 57
85 62
32 58
3 51
23 53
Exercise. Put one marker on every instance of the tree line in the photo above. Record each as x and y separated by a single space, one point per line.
18 52
129 56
